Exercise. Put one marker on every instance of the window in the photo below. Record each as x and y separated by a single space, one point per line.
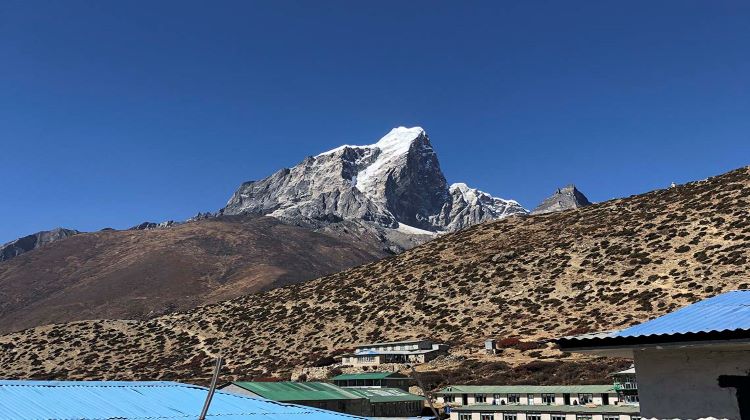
510 417
635 418
514 399
464 416
480 398
583 417
585 398
548 398
534 416
496 399
630 398
486 416
449 398
611 417
558 417
530 399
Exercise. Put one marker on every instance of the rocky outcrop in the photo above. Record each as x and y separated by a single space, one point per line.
395 183
33 241
565 198
470 206
153 225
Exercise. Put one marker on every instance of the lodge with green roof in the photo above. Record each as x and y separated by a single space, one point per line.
373 380
367 402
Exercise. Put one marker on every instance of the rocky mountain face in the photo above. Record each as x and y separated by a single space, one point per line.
394 183
565 198
527 279
33 241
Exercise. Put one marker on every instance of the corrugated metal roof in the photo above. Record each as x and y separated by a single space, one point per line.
368 375
379 395
726 312
527 389
99 400
578 409
298 391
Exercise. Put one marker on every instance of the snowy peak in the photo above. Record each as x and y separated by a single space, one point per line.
396 142
565 198
392 182
471 206
475 196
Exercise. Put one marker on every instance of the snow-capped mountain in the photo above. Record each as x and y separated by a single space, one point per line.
395 183
472 206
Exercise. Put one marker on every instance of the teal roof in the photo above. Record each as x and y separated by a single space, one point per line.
582 409
367 375
298 391
380 395
527 389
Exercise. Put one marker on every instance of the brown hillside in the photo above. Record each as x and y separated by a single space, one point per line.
138 274
596 268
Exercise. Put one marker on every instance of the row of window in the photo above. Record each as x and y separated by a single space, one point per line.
396 348
516 398
532 416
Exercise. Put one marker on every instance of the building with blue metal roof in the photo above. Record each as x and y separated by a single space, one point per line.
692 363
99 400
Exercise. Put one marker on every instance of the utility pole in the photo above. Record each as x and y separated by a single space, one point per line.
426 393
212 389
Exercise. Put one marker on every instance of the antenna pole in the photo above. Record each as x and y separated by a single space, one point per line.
212 389
426 393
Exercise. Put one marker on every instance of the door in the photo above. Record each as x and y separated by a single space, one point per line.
742 385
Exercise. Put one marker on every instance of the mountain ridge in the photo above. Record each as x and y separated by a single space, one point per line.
602 267
33 241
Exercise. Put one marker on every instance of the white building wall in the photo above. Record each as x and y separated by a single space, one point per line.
683 383
545 416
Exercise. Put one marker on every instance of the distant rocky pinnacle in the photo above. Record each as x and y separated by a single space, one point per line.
395 184
565 198
33 241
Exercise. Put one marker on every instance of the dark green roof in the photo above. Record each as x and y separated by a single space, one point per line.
298 391
380 395
527 389
368 375
582 409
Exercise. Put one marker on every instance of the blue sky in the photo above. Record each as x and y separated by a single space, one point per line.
112 113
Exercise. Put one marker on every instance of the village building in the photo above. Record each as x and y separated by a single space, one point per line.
692 363
544 412
366 402
462 395
409 351
392 402
626 385
157 400
373 380
312 394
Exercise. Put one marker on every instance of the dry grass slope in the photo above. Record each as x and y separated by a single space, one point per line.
138 274
597 268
